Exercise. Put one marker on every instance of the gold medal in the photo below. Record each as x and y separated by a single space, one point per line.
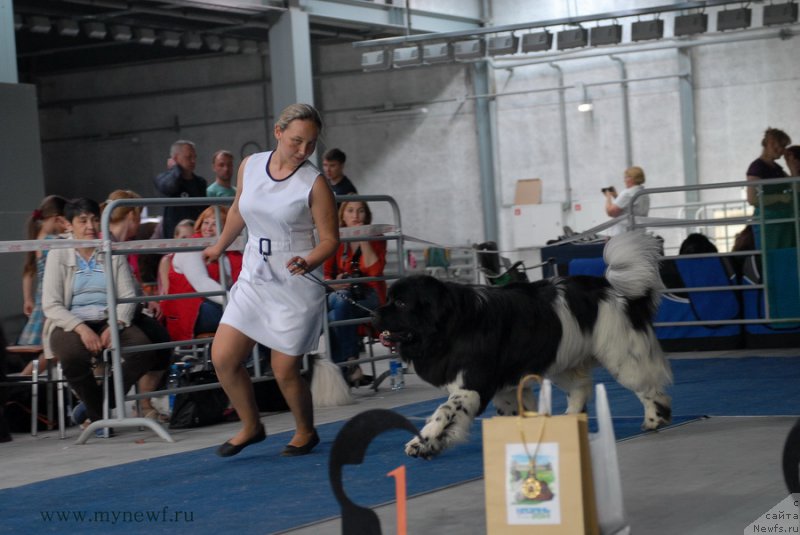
532 488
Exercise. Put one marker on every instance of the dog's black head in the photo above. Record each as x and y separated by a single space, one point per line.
414 311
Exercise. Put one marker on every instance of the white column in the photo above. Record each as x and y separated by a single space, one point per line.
290 61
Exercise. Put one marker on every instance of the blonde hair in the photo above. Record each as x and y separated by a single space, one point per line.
121 212
183 223
636 173
302 112
209 212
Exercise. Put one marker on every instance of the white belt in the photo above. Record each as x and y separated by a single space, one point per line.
265 247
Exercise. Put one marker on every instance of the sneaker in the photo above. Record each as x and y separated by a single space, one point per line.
79 414
99 433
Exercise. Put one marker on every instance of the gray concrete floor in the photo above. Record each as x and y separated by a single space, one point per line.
713 476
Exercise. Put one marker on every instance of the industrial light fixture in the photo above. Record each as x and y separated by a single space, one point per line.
469 49
120 32
645 30
780 14
572 38
213 42
537 41
67 27
690 24
94 30
144 36
230 45
169 38
406 56
585 104
733 19
377 60
248 46
437 53
606 35
192 41
502 44
38 24
17 22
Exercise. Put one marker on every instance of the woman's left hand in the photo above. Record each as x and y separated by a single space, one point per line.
298 266
155 308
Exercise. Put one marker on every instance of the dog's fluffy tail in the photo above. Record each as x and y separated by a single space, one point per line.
328 387
632 259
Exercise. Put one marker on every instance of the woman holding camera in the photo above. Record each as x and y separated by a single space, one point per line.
354 259
619 204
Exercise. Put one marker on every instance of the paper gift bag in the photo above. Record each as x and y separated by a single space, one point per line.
538 474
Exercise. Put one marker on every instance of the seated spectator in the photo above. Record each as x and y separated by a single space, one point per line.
179 180
46 222
333 167
124 226
189 273
353 259
184 229
222 163
75 303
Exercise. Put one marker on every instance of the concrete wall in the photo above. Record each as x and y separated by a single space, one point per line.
112 128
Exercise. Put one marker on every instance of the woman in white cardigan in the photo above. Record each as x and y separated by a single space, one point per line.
74 300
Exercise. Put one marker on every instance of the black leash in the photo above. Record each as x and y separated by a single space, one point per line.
341 293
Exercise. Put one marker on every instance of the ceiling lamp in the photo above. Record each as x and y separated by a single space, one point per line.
644 30
67 28
572 38
780 14
248 46
437 53
169 38
17 22
537 41
470 49
94 30
502 44
192 41
606 35
690 24
144 36
377 60
733 19
38 24
213 42
407 56
230 45
120 32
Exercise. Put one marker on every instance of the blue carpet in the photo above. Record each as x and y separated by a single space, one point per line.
260 492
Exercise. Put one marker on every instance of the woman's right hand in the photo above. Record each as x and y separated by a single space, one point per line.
89 338
211 253
27 307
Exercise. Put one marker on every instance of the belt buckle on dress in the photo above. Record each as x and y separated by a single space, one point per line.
265 253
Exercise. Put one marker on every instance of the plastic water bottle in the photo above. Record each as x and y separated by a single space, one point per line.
396 378
173 381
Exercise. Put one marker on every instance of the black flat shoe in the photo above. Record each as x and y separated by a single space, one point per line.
305 449
229 450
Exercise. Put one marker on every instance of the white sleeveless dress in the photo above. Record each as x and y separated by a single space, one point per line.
267 303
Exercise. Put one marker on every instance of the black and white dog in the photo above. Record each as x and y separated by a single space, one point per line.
478 342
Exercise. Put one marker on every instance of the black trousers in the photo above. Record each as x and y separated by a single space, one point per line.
76 362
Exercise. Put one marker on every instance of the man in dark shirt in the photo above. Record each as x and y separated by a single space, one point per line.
333 167
179 180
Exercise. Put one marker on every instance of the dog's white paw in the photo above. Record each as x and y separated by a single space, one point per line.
423 448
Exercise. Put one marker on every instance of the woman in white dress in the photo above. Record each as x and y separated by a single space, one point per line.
281 198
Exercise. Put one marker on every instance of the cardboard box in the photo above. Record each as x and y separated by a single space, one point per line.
529 191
